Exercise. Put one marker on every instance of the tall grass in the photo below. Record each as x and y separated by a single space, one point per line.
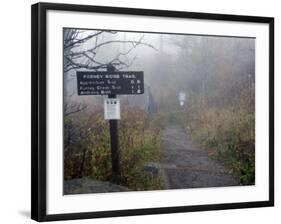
228 133
87 148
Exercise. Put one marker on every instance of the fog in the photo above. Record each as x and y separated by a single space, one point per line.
209 69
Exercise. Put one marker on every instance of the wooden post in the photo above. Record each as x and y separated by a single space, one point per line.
113 127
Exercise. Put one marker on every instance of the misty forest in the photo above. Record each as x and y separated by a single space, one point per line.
194 125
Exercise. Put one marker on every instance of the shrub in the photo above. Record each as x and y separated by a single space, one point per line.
228 134
87 148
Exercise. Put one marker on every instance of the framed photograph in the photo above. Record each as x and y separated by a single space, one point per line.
140 111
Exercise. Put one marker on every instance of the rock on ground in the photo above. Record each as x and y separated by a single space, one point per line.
87 185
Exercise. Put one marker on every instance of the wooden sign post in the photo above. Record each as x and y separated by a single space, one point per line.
111 83
113 128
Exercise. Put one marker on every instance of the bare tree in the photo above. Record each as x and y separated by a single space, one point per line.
82 50
77 56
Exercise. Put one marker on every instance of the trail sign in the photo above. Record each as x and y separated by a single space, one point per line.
111 109
110 83
182 97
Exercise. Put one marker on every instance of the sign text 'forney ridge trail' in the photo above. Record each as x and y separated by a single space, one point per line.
107 83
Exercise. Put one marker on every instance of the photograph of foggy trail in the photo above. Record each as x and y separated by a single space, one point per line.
191 126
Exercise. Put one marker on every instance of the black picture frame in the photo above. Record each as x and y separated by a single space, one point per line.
39 107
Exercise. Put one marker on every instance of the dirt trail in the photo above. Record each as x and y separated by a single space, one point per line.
185 165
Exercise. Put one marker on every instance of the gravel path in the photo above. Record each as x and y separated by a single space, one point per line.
185 165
